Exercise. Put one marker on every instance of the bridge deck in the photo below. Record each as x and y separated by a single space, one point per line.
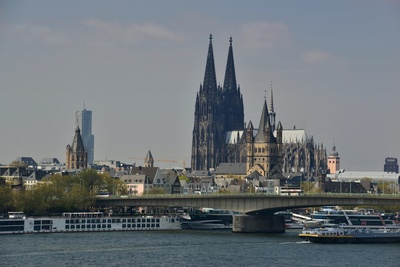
253 203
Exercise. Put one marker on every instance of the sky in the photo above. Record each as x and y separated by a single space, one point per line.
334 68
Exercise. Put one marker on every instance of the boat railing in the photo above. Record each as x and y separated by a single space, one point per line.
82 214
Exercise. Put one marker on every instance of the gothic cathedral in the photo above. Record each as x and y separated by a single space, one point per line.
219 133
221 136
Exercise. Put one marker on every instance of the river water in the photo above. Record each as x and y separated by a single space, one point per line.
187 248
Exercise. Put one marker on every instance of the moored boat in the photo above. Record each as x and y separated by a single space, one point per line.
334 215
85 222
339 234
208 219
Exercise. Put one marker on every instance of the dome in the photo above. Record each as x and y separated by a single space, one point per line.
334 153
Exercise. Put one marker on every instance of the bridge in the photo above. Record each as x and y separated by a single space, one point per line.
252 204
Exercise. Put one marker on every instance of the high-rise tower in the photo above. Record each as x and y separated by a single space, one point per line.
83 119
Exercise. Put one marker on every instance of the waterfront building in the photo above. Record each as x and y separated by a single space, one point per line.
76 154
83 119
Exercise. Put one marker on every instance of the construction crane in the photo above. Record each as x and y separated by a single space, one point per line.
183 162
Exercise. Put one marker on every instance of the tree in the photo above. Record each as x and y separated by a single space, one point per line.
307 187
6 199
17 164
156 191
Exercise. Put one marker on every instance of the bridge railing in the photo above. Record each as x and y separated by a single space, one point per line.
255 195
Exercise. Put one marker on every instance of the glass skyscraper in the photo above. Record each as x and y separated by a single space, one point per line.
83 120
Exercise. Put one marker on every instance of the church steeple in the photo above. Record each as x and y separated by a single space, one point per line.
271 111
76 155
232 98
208 122
149 160
210 80
264 126
230 76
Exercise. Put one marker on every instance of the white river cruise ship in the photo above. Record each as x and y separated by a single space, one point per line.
18 223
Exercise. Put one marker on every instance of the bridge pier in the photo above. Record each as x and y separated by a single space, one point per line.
258 224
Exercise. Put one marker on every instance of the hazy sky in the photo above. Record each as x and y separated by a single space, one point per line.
334 65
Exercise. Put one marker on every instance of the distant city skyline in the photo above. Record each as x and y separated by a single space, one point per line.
138 65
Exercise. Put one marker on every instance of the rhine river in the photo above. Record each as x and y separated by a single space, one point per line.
187 248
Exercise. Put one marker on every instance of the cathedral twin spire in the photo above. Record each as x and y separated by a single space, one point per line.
210 79
217 111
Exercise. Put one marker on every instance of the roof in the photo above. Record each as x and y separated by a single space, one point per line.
133 179
27 160
77 143
264 122
294 136
231 168
233 137
49 161
150 172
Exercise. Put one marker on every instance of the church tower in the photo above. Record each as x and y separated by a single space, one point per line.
272 114
333 160
263 151
149 160
208 125
76 155
219 114
232 98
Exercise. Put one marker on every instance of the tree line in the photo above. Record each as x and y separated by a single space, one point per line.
60 193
